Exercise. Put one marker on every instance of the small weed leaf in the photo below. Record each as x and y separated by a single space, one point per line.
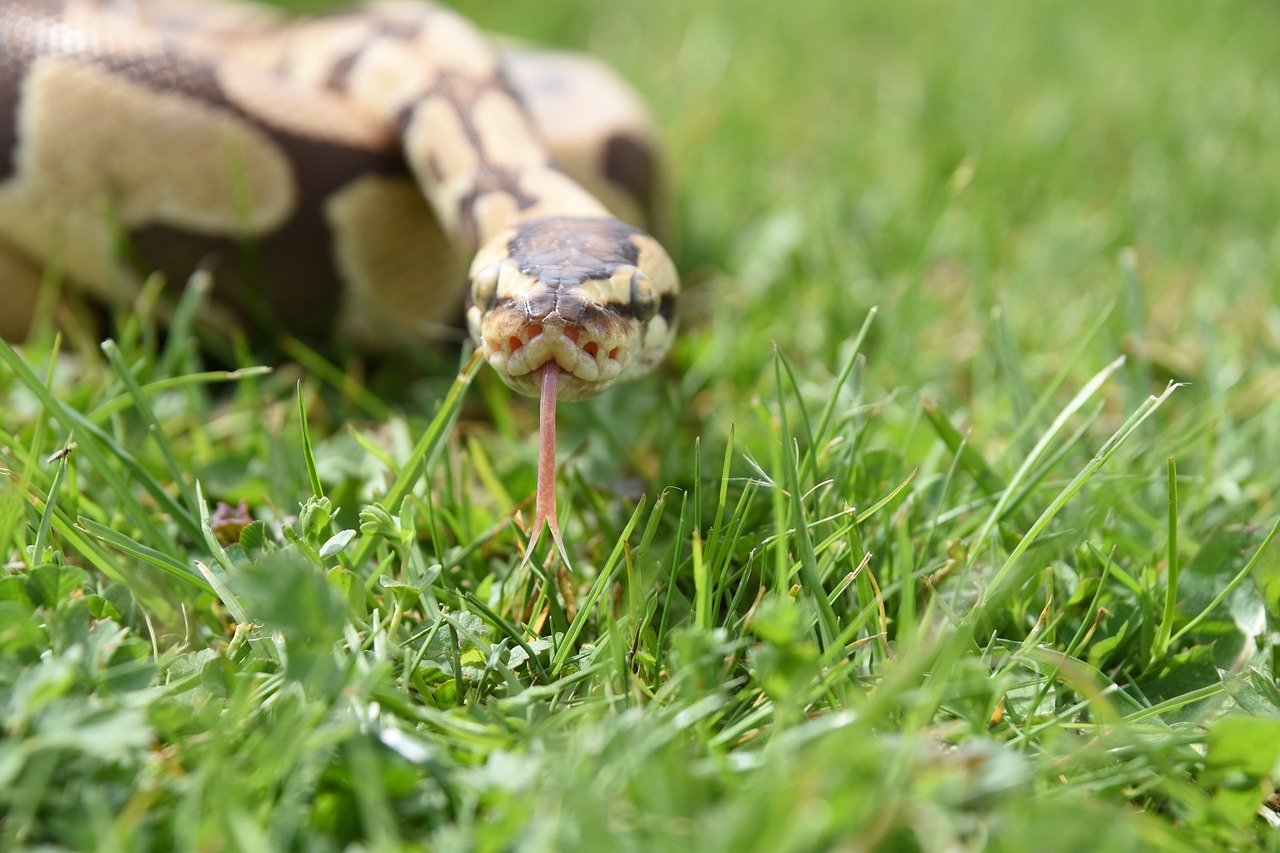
253 538
1243 764
336 543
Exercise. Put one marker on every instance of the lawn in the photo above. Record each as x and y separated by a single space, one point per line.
947 526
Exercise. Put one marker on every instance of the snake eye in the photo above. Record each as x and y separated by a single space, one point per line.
644 297
484 287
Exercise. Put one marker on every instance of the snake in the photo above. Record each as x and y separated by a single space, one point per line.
372 175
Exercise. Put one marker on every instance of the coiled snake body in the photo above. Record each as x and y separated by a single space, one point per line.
346 175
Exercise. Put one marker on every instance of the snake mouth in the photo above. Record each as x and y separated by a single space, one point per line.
590 362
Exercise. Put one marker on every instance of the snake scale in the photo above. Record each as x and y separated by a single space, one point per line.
367 175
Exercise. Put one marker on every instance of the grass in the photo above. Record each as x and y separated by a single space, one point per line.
987 568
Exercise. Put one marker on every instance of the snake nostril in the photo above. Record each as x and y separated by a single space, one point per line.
515 343
571 333
535 329
613 353
592 349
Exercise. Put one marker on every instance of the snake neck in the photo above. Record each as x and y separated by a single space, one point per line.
465 133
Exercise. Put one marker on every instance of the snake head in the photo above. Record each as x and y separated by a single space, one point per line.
593 294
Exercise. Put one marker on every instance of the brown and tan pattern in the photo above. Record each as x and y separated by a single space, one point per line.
361 174
336 175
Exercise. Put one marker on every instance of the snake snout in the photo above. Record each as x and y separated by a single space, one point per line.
591 355
579 351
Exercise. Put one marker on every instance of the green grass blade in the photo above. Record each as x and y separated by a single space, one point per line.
308 454
173 383
1005 579
970 459
833 396
1230 587
148 555
333 375
100 449
815 591
567 643
177 348
427 445
46 517
154 427
1042 446
1165 632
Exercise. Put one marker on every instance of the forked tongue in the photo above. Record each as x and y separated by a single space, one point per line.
545 506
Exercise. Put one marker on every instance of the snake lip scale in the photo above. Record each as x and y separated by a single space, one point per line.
390 166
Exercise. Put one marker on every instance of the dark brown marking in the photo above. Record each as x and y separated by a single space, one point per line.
23 25
399 28
437 171
667 304
629 163
380 26
489 179
460 88
461 91
666 308
570 250
285 278
26 36
341 72
564 251
13 70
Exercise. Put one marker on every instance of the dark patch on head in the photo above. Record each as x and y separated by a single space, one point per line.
537 303
570 250
629 163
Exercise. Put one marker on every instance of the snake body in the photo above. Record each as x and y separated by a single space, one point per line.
369 175
346 175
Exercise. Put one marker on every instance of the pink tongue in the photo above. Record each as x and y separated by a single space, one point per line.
545 507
